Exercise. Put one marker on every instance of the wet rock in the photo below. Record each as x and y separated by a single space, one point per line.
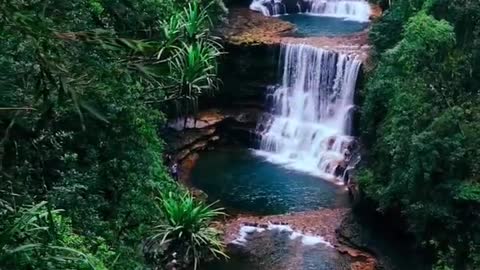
199 145
369 265
247 27
323 222
350 231
246 116
200 135
339 169
235 249
251 29
201 120
187 165
178 141
199 194
351 235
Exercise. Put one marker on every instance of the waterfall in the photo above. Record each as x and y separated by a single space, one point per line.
269 7
309 120
262 6
358 10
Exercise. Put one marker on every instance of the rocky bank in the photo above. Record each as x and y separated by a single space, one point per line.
322 222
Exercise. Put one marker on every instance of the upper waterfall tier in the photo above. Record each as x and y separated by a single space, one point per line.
309 125
358 10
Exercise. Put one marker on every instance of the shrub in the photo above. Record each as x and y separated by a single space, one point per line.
187 236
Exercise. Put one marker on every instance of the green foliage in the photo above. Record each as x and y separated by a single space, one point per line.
195 21
418 121
388 31
193 70
187 231
39 238
85 86
444 261
192 58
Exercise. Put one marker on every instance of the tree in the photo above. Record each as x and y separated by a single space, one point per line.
187 235
418 119
79 116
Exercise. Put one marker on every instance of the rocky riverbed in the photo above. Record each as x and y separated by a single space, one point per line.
322 223
249 28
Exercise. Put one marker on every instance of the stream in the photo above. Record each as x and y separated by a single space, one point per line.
249 183
244 182
303 156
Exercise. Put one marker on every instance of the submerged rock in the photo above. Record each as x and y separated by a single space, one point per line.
304 228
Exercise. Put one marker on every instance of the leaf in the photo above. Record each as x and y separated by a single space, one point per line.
25 247
94 112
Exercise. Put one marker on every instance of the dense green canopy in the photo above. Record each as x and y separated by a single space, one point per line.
84 87
420 124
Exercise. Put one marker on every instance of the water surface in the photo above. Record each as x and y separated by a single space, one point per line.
244 181
317 26
276 250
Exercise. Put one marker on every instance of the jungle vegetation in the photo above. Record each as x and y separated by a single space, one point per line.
84 88
421 122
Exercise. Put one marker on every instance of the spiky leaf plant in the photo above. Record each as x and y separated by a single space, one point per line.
29 239
187 235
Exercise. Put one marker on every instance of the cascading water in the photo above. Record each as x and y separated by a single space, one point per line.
309 124
358 10
262 6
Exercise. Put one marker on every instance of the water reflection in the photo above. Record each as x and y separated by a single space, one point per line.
275 249
246 182
316 26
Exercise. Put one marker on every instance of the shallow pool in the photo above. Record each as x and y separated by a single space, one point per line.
243 181
315 26
246 182
276 250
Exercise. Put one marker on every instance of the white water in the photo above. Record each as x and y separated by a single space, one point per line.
306 239
358 10
269 7
261 6
310 121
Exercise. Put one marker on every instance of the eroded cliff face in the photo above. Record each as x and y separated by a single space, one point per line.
231 115
246 71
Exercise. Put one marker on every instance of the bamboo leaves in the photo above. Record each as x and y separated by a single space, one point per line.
32 233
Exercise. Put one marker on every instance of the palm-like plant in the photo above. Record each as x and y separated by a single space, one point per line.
194 73
171 30
194 69
190 54
187 231
196 22
28 240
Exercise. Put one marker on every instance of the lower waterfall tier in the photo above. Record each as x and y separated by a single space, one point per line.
310 111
